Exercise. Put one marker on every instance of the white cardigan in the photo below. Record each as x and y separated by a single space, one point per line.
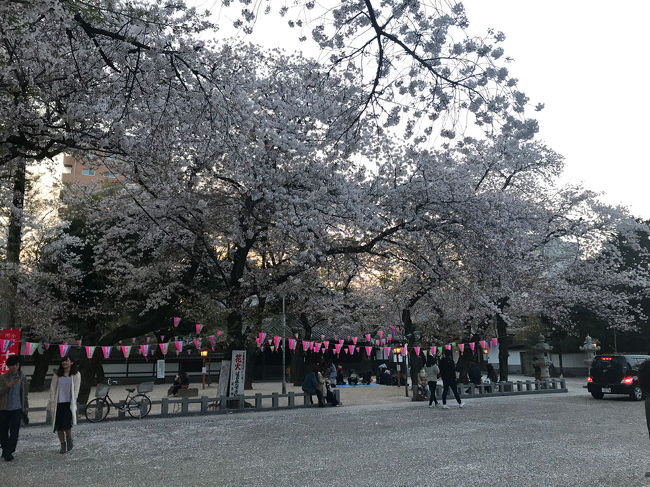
54 396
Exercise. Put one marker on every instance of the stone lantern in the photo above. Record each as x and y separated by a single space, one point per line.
591 348
541 358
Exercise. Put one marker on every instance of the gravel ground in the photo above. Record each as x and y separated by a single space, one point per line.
543 440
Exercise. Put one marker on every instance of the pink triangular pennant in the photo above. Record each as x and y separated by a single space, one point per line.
126 350
368 349
461 347
63 349
351 349
417 351
164 347
107 351
472 345
177 320
90 350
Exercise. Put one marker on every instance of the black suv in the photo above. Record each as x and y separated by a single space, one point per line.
615 374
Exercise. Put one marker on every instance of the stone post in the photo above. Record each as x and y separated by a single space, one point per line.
591 348
542 359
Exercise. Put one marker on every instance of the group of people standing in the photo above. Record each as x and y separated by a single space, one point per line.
14 404
445 370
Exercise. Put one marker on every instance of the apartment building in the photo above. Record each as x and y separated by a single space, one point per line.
75 171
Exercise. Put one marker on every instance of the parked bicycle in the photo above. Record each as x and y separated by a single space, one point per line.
137 405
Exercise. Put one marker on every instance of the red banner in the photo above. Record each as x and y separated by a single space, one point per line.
9 345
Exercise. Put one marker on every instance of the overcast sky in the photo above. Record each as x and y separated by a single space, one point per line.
587 61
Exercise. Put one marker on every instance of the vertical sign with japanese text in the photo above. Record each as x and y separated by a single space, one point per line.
9 345
160 369
237 373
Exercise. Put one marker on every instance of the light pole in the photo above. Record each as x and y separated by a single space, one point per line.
284 373
204 355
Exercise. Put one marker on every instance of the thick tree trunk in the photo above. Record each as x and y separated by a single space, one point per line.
92 373
504 342
297 366
41 366
14 239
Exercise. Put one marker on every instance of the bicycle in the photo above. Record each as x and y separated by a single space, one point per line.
138 405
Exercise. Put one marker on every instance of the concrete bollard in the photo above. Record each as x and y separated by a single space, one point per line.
337 394
241 403
275 400
292 399
204 404
164 407
258 401
520 386
184 405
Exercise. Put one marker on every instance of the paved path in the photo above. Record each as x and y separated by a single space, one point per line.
545 440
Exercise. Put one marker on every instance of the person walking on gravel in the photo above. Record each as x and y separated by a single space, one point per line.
448 376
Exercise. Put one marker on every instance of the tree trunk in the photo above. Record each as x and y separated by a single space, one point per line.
41 366
92 373
464 361
14 239
251 350
504 343
297 366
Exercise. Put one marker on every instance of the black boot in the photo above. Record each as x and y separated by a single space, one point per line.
63 448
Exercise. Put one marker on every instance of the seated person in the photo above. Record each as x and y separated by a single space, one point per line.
492 374
353 378
339 375
313 384
366 377
474 373
182 381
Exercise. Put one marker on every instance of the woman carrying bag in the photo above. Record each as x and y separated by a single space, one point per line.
62 404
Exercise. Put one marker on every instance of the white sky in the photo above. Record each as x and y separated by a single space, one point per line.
587 61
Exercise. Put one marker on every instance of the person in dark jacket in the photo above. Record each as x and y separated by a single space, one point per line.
13 406
448 376
311 386
644 383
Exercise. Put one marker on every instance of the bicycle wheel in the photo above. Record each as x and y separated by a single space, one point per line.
139 406
97 410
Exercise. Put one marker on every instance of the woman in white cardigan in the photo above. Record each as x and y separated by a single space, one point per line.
62 404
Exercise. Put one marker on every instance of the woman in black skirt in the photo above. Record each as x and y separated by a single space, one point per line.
64 390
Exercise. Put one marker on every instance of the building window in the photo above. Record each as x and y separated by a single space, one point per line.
108 174
88 172
67 169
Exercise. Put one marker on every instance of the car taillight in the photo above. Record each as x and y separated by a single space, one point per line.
589 379
627 380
